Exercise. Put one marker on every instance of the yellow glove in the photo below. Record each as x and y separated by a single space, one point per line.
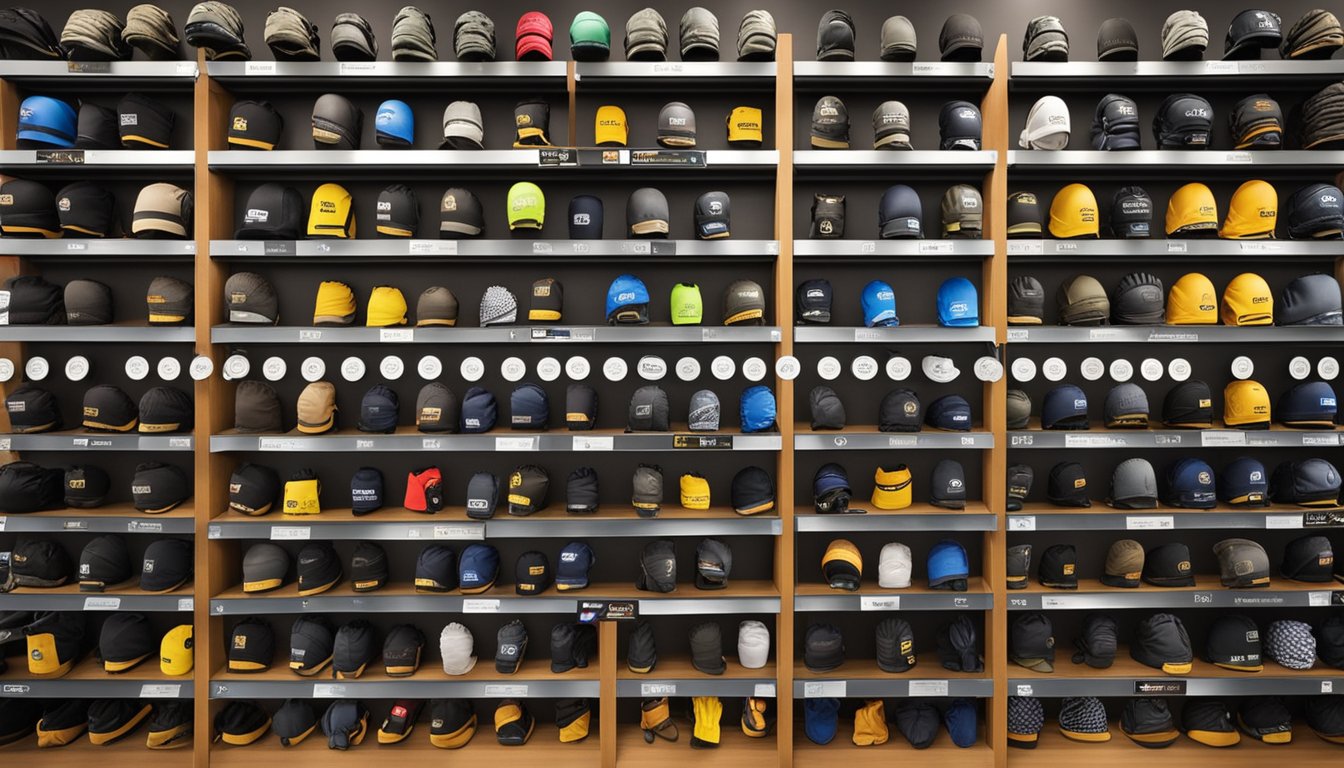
870 724
655 718
705 714
754 721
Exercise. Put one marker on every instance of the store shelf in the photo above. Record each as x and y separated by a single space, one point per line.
88 680
120 333
870 597
676 676
1030 251
1148 163
381 162
828 251
76 161
124 597
897 751
99 249
940 76
742 596
735 749
408 440
1208 592
1127 677
861 678
1164 75
100 74
543 749
1218 437
823 162
1178 334
453 524
397 251
1054 750
111 518
71 440
1044 517
437 76
868 438
82 753
901 334
533 679
539 334
736 76
918 517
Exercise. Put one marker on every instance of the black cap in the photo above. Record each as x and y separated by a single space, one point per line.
482 495
253 489
104 562
1188 405
1234 642
86 210
319 568
401 650
86 486
1117 41
900 411
111 720
1031 642
580 407
1148 722
1026 301
1059 567
88 302
1024 215
1097 645
126 639
958 646
658 567
251 645
366 491
32 299
273 212
641 651
814 302
707 649
823 648
437 409
32 409
145 122
961 38
353 648
241 722
28 210
436 569
157 488
294 721
169 301
397 213
256 407
529 489
713 564
312 642
1308 558
1068 485
368 567
895 645
1265 718
752 492
947 486
166 409
532 573
167 565
1168 565
97 128
254 125
1132 213
581 492
108 409
1018 565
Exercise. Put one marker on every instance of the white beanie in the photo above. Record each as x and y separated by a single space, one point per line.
893 566
753 644
456 645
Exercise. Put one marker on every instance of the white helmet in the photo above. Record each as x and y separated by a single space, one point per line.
1047 125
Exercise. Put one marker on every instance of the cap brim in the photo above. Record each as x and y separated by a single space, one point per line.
1035 665
1215 738
1089 737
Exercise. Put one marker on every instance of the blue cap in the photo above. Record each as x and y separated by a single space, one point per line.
366 490
477 569
949 412
820 719
758 409
899 212
585 218
947 563
1308 404
1190 484
879 305
1244 483
48 122
576 559
478 410
829 477
395 124
960 718
958 304
1065 407
529 408
627 300
378 410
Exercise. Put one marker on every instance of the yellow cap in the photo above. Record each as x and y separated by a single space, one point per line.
335 304
302 497
694 491
1246 405
893 488
386 307
176 656
744 127
1247 300
317 408
1192 210
1073 213
455 740
47 737
44 659
1192 301
332 213
1086 735
842 564
870 724
1253 212
1228 738
576 729
612 130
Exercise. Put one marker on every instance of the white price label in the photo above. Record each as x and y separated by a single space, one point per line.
1022 522
160 691
102 603
1318 599
658 689
201 367
824 689
429 367
863 368
615 369
1054 369
1121 370
505 691
828 368
2 523
1299 368
1077 440
477 605
763 690
309 334
788 367
1092 368
274 369
1329 438
880 603
328 691
515 443
754 368
723 367
513 369
396 335
1327 686
577 368
594 443
1019 334
313 369
1150 522
461 532
928 688
169 368
1177 246
1024 690
898 368
186 604
1179 369
1327 368
76 368
1243 367
1221 439
688 369
651 368
281 444
391 367
259 68
290 533
472 368
1025 248
1024 369
548 369
37 368
1283 522
1151 369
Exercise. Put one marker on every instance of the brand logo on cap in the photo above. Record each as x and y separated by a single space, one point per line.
258 215
828 111
1183 566
240 123
626 296
1080 483
1205 478
472 422
959 307
643 410
1197 112
522 120
970 201
90 411
384 205
1328 199
25 113
910 407
676 121
327 206
508 649
149 566
582 219
478 504
826 227
716 207
83 569
6 199
76 484
130 118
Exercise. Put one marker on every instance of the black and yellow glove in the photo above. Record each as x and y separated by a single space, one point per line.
655 718
756 721
706 711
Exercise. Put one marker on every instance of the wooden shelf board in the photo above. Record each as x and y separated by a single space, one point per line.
556 511
1126 667
928 668
89 668
616 591
680 667
1203 583
1056 751
431 670
897 751
82 753
735 749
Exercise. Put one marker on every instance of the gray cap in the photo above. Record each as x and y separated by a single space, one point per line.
1019 565
474 37
436 306
1185 35
498 306
891 126
463 127
646 36
1126 406
1133 485
647 490
898 39
756 37
1019 409
251 299
699 35
676 125
413 36
704 411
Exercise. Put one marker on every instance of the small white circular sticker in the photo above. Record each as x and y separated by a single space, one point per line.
1151 369
1024 369
988 369
1179 369
391 367
1054 369
201 367
548 369
788 367
1243 367
577 368
429 367
76 368
137 367
274 369
472 368
1327 368
6 369
651 368
723 367
688 369
1122 370
237 367
37 368
615 369
829 368
863 368
313 369
1299 368
513 369
1092 368
754 368
352 369
898 368
169 368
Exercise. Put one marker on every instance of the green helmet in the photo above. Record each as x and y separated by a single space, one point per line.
589 37
687 306
527 206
